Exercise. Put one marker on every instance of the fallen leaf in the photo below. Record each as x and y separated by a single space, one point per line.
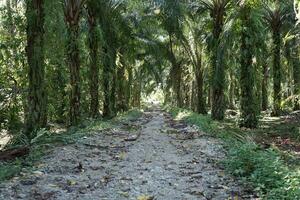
145 197
121 156
71 182
125 194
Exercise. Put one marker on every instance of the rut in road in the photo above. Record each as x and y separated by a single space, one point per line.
161 159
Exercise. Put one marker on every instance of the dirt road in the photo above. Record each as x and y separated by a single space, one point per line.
150 158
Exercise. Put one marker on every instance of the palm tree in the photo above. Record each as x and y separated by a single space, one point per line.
114 27
72 11
36 116
93 41
194 48
275 16
171 17
249 30
217 10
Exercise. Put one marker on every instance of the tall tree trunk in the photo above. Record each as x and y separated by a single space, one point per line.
60 80
177 85
121 86
72 17
276 73
94 62
175 75
249 112
264 88
129 88
218 68
200 103
137 90
107 112
193 96
109 82
74 70
114 87
36 117
218 97
167 92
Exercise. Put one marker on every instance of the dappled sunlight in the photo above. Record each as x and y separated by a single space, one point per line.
182 115
155 98
271 119
4 139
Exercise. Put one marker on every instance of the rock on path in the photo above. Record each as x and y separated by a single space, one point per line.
162 164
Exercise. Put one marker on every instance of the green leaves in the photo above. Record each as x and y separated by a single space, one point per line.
265 170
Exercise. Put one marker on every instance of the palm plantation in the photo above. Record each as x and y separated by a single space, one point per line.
231 68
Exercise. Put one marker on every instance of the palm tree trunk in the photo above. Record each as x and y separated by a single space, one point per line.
218 82
94 63
177 84
129 88
113 87
248 103
121 87
200 103
74 70
276 74
176 75
37 116
218 69
193 97
107 113
72 17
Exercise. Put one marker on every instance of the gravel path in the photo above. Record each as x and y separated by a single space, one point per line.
168 161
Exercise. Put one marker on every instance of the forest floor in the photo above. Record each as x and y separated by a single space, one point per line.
152 157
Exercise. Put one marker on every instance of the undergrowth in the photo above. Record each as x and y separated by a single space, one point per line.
45 141
266 171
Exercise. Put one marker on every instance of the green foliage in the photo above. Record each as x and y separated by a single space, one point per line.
12 57
264 170
190 49
205 123
8 171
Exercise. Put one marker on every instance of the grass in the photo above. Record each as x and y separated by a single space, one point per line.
271 172
47 141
